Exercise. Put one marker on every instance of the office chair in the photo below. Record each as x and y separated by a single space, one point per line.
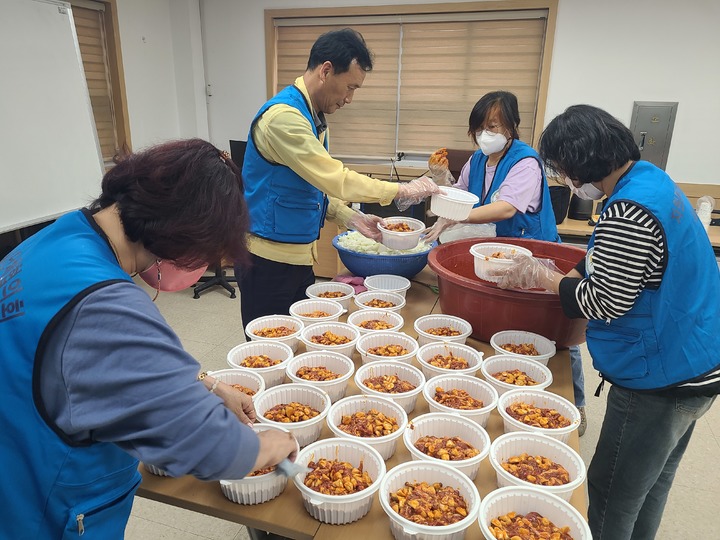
237 154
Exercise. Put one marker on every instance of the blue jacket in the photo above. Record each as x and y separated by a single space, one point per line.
538 225
672 333
283 206
52 487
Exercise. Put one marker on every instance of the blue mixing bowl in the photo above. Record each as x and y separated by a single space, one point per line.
367 264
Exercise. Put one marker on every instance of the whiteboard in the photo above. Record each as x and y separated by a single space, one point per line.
50 161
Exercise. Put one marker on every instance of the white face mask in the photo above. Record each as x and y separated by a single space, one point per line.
490 142
587 191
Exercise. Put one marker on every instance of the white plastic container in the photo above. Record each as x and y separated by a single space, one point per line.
361 315
429 350
331 307
454 204
430 472
379 339
401 240
544 346
439 320
334 361
307 431
477 388
448 425
152 469
491 268
271 321
337 328
340 509
245 377
504 362
386 296
535 444
256 489
523 500
406 372
316 289
276 350
542 399
387 282
386 444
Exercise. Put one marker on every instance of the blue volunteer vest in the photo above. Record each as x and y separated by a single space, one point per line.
51 487
283 206
538 225
672 333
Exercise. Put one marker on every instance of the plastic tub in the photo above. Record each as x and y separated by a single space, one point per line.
454 204
477 388
379 339
332 308
535 444
429 350
337 328
503 362
270 321
386 444
246 377
307 431
542 399
406 372
387 282
490 309
427 322
544 346
367 296
523 500
491 268
449 425
401 240
152 469
334 361
390 317
316 289
340 509
430 472
272 375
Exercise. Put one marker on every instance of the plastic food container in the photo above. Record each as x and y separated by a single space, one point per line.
307 431
523 500
544 346
406 372
340 509
448 425
430 472
272 375
379 339
386 296
255 489
152 469
492 268
332 308
270 321
387 282
477 388
315 290
390 317
426 322
429 350
337 328
454 204
535 444
503 362
386 444
401 240
246 377
334 361
542 399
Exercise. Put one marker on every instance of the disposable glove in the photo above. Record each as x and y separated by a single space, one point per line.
528 273
366 224
434 232
439 168
415 191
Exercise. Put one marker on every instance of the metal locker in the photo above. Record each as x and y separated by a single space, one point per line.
652 124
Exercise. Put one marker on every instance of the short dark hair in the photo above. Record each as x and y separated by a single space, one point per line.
182 201
507 106
586 144
340 47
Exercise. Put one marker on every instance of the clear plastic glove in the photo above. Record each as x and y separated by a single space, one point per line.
366 224
415 191
528 273
275 446
433 233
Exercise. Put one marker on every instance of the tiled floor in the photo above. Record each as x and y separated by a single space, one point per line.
210 326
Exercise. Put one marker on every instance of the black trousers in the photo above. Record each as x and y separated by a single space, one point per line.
270 288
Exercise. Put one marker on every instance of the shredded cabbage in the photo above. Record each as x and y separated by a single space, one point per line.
354 241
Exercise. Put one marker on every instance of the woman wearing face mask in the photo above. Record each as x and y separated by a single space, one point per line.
94 379
649 286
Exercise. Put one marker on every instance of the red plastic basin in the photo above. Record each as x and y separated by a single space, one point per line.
490 309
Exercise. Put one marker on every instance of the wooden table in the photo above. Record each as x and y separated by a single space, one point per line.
286 514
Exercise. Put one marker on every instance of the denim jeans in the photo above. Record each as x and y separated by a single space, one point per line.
642 440
578 376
